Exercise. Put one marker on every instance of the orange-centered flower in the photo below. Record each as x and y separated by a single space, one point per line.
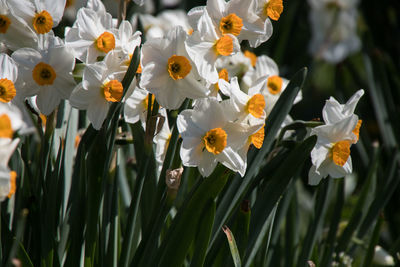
222 74
42 22
105 42
43 74
255 106
273 9
13 182
4 23
7 90
178 67
257 138
215 140
340 152
6 130
224 46
274 84
112 91
231 24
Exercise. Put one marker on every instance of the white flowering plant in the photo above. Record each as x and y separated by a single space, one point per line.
182 133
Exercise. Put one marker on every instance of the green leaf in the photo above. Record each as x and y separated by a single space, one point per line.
268 198
232 246
203 234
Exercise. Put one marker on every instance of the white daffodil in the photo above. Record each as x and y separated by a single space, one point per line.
245 105
101 85
236 17
273 86
7 177
331 154
8 77
209 138
10 120
135 106
127 39
236 65
168 72
158 27
40 15
333 111
92 36
15 32
205 46
46 73
334 29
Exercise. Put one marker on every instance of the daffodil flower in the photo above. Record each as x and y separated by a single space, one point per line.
101 85
168 72
8 77
331 154
15 32
334 29
46 73
236 17
209 137
40 15
236 65
92 36
205 46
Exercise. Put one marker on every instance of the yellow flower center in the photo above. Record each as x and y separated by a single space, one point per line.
13 180
105 42
274 84
222 74
7 90
215 140
356 130
112 91
231 24
224 46
257 138
340 152
6 130
4 23
178 67
251 56
145 102
255 106
43 74
43 22
273 9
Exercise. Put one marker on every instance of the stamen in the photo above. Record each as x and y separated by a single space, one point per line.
44 74
4 23
215 140
231 24
42 22
113 90
7 90
178 67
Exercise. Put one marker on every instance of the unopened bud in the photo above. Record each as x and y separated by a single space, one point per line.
381 257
